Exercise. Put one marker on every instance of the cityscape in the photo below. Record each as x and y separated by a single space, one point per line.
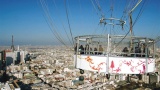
79 45
53 68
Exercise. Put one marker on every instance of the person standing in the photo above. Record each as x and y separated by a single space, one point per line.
81 49
100 49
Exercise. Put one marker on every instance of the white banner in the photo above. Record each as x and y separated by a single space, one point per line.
120 65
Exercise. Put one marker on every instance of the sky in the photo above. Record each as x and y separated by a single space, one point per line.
41 22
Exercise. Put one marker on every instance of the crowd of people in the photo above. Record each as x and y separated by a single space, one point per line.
139 51
88 50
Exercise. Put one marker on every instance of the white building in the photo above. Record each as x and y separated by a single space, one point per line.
10 58
16 56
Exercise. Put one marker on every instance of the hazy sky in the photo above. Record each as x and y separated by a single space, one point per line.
27 21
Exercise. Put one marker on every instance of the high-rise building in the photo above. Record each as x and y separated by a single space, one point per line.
10 58
3 58
0 61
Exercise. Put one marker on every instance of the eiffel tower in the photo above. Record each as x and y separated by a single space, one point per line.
12 46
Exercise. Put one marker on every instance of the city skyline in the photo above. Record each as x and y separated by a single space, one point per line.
30 25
